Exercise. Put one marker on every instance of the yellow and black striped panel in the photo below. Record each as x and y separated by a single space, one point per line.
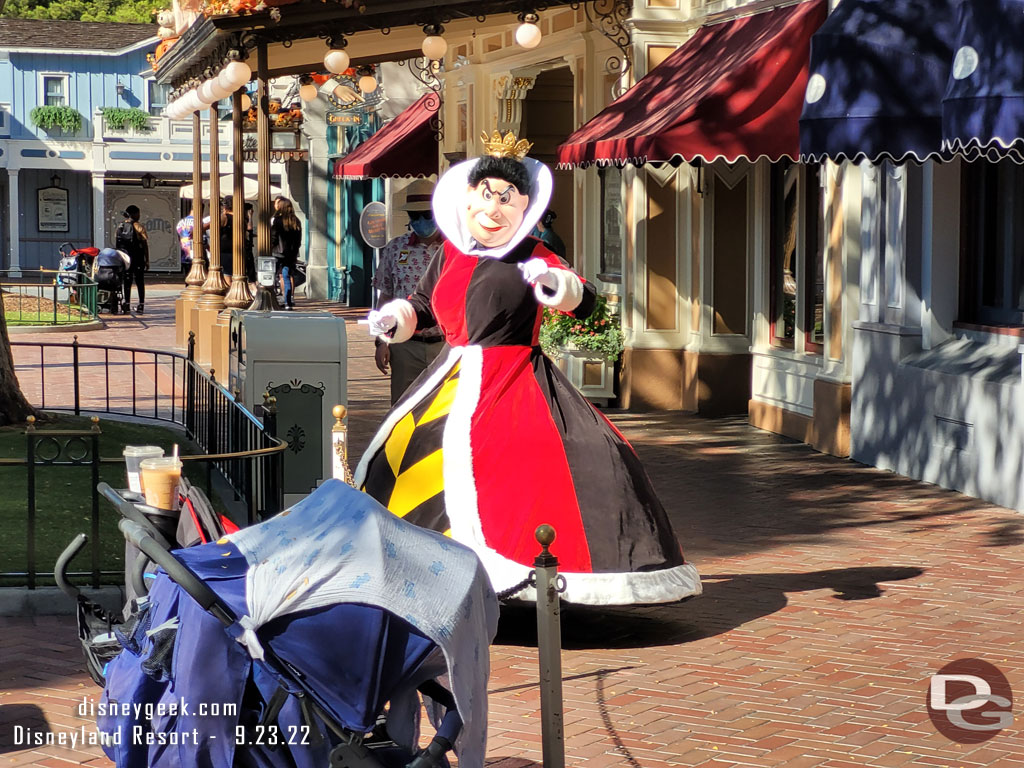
407 473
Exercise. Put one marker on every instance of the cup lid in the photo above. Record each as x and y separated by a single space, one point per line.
160 462
143 450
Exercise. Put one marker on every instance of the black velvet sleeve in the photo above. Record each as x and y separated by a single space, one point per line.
420 298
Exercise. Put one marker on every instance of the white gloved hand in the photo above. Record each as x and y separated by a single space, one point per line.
381 323
537 272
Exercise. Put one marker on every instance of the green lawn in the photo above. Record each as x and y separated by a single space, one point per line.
63 499
46 318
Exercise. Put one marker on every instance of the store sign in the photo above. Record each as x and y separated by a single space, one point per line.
344 118
373 225
52 210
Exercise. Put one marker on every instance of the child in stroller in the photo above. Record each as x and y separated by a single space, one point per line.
281 644
110 271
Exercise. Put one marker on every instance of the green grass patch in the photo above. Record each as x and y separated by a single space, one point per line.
64 498
46 318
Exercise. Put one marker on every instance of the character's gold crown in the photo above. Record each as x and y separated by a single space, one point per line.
505 146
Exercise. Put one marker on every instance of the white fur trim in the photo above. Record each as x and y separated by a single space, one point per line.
460 498
567 294
450 194
397 414
405 314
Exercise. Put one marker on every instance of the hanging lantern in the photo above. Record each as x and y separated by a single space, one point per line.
336 61
528 34
235 75
434 45
367 84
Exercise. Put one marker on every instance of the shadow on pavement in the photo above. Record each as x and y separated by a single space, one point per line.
729 601
731 489
28 716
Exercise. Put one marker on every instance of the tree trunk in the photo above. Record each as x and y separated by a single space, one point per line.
14 408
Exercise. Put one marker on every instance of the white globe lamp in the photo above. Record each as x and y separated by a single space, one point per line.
336 61
528 35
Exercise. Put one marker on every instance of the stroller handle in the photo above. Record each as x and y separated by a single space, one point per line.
182 576
60 570
130 512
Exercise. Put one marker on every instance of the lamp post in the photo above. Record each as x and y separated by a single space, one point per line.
239 296
197 274
215 286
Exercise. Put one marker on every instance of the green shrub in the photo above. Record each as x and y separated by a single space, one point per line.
119 118
600 332
67 119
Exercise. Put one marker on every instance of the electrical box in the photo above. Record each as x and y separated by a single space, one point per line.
301 359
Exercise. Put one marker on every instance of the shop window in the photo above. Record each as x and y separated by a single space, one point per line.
992 247
611 223
796 273
55 90
158 95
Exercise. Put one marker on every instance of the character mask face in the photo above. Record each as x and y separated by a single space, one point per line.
495 211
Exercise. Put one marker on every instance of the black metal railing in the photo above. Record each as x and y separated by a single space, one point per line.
47 297
160 386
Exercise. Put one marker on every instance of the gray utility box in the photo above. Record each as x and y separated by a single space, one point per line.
301 358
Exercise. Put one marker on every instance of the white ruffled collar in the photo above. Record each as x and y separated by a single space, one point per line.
448 209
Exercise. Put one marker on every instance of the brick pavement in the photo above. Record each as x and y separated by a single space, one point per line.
832 592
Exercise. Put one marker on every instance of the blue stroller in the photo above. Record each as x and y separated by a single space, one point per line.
282 645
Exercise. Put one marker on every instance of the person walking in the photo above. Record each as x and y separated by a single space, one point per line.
545 232
132 239
402 263
285 242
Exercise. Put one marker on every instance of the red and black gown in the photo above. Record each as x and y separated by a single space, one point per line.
492 441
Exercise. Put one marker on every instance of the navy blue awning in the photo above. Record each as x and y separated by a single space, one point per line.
983 109
877 76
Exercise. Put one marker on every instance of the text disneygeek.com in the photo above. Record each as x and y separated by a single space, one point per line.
139 715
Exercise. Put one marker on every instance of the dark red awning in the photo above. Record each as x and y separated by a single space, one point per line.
404 147
735 89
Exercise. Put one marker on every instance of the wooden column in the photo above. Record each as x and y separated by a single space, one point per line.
215 286
239 296
264 296
197 274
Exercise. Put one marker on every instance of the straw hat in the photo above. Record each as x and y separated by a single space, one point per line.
418 195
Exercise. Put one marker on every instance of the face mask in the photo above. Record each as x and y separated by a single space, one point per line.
423 227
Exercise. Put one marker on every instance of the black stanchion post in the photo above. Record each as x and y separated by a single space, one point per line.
30 521
190 388
549 649
95 461
211 431
74 369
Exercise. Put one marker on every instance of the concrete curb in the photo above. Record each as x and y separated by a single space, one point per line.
50 601
94 325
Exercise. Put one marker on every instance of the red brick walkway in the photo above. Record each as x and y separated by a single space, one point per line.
832 592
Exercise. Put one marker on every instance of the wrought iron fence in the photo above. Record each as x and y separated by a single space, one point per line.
45 297
156 386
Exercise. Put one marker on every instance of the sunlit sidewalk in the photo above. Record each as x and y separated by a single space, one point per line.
832 593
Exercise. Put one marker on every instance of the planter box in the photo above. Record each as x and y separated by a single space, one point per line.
591 374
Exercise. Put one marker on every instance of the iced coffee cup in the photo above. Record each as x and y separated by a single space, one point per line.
133 456
160 480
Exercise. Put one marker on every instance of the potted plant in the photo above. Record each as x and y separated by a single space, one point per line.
586 350
53 118
121 119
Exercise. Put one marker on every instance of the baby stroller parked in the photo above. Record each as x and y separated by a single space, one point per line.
98 628
110 272
74 262
281 644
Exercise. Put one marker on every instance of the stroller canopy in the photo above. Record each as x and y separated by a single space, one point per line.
348 598
111 257
340 545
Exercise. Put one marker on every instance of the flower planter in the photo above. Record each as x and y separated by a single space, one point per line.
591 374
